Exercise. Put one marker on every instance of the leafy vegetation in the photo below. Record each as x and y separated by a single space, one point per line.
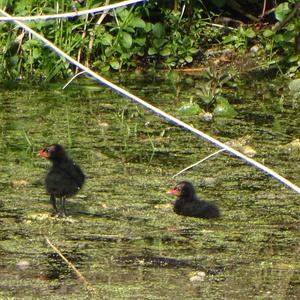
171 34
284 44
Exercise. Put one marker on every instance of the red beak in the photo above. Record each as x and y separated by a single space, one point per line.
173 192
43 153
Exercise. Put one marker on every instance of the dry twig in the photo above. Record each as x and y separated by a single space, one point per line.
78 273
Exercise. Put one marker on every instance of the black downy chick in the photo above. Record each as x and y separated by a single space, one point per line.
64 179
188 204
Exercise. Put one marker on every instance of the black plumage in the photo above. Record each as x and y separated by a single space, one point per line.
188 204
64 179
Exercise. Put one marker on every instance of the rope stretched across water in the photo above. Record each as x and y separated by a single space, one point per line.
155 109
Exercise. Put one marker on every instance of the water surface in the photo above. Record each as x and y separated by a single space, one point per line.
121 232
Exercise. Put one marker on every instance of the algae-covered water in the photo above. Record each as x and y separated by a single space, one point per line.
121 233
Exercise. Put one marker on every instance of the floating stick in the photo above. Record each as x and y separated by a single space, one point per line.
155 109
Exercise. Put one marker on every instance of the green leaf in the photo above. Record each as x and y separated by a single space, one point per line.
289 36
108 51
152 51
224 109
206 99
106 39
278 38
115 64
140 41
281 11
229 39
148 27
268 33
136 22
171 61
293 69
294 86
269 46
193 50
126 39
248 32
158 30
291 27
165 51
36 53
158 43
173 77
130 29
188 59
122 13
189 108
294 58
105 68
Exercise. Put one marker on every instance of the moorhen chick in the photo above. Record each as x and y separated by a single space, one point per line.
188 204
64 179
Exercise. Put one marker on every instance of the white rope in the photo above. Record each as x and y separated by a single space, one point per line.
72 14
74 77
198 162
155 109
